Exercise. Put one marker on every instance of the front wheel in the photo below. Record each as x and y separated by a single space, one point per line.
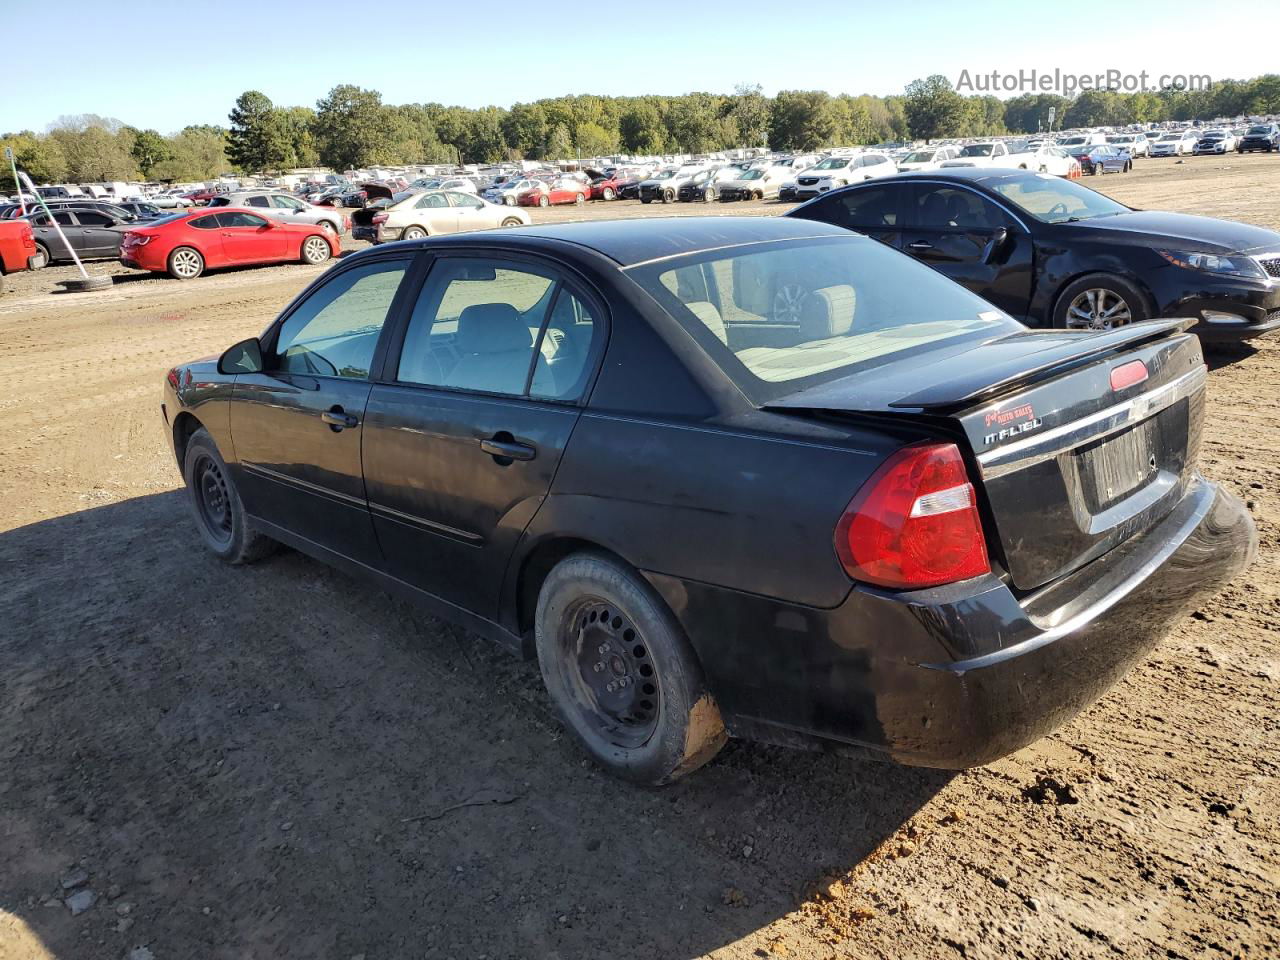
544 201
215 503
621 672
579 200
186 263
1099 301
512 222
316 250
668 195
607 193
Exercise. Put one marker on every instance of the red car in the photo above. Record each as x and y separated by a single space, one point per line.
187 244
17 248
562 191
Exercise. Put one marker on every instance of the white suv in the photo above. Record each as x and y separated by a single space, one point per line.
835 172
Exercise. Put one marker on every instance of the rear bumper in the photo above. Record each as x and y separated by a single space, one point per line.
958 676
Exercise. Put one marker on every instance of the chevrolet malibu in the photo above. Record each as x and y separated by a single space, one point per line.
744 477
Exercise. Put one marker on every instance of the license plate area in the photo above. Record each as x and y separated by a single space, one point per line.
1114 467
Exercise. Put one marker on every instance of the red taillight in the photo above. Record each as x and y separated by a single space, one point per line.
1127 374
915 522
380 218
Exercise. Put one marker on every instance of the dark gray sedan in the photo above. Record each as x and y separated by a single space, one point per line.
93 234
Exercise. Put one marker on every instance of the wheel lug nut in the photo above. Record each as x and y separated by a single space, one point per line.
598 667
610 687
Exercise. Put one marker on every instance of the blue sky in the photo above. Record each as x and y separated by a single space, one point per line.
202 58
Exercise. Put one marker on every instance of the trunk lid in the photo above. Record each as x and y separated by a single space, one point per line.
1068 466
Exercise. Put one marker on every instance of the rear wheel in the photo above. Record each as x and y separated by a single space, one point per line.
668 195
544 201
621 672
413 233
509 200
41 258
579 200
316 250
1099 301
215 503
512 222
329 226
186 263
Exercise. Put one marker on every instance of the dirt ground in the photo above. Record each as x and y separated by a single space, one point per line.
257 762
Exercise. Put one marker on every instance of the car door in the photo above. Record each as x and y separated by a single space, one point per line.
432 212
297 426
249 238
48 235
875 210
462 440
288 209
470 212
94 236
952 228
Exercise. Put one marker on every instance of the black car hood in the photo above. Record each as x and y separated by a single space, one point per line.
1153 228
959 375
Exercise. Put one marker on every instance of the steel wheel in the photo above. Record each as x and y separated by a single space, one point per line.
213 499
610 673
186 263
1098 309
413 233
316 250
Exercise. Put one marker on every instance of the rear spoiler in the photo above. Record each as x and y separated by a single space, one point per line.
1008 373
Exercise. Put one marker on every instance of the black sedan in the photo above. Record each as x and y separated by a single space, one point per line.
749 477
1057 254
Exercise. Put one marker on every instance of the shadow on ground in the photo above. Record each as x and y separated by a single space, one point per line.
233 753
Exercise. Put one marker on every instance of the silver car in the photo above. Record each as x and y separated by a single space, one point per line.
284 206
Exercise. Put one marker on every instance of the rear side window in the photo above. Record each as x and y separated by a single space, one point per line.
498 327
866 208
206 223
797 313
258 202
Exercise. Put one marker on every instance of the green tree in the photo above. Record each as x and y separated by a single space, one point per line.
350 128
593 140
641 129
97 149
805 120
524 129
196 153
149 149
256 140
559 143
933 108
750 112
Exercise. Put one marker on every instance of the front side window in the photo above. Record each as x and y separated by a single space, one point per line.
798 313
463 199
951 208
237 219
91 218
334 331
286 203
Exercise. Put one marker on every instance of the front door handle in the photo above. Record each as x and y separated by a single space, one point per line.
501 448
920 245
338 419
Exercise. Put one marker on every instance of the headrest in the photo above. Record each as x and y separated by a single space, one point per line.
827 312
492 328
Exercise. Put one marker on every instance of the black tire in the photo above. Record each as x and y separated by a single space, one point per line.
668 195
1137 302
185 263
216 507
513 222
85 284
414 232
663 724
646 199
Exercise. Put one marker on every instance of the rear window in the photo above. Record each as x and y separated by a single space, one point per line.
783 316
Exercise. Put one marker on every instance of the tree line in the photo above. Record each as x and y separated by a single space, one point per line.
351 127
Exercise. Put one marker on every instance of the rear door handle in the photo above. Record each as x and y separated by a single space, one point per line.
920 245
338 419
507 449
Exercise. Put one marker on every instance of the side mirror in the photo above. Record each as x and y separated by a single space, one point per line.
243 357
995 246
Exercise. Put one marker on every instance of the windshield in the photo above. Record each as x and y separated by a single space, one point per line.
751 175
920 156
665 175
1170 137
833 163
977 150
1119 139
1214 135
794 314
1052 199
1259 129
1071 141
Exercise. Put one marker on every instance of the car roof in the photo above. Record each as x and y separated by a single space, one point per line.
629 242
